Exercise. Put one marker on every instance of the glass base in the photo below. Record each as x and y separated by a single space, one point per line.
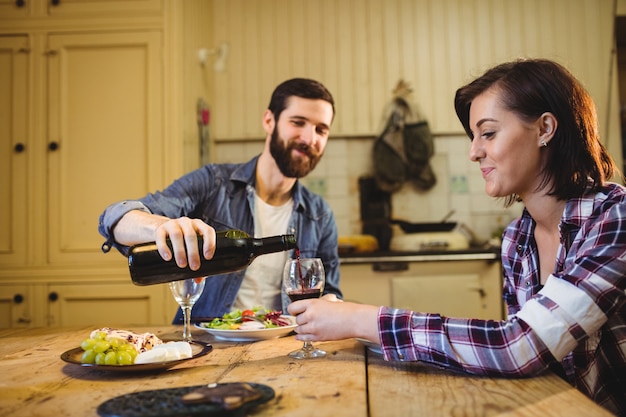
307 352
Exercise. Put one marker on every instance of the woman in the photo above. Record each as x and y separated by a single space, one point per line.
534 133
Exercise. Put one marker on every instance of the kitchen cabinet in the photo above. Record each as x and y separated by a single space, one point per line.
68 304
455 288
82 128
101 140
104 133
18 306
44 8
90 114
13 144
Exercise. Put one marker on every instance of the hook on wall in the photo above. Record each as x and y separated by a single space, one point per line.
221 54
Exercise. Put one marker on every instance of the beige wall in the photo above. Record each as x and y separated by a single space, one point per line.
361 48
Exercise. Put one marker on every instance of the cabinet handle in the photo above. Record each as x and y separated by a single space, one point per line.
481 292
55 2
23 320
53 296
19 148
20 3
18 298
53 146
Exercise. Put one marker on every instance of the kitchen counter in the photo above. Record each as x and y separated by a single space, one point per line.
473 254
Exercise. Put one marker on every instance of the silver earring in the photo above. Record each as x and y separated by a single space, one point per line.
543 143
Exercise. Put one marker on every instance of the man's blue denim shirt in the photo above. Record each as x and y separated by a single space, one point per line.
222 195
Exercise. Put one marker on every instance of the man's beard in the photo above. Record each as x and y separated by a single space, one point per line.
293 168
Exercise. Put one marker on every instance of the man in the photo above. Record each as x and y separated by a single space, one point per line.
262 197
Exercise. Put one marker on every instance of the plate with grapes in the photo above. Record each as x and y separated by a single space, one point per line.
73 356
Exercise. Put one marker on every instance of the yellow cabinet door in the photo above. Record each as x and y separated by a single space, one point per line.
15 149
451 288
105 140
22 305
109 304
11 9
449 295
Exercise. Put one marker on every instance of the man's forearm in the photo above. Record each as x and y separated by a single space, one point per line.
137 227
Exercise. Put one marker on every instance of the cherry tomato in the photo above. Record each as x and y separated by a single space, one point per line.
247 313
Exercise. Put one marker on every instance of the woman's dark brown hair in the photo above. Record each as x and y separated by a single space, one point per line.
531 87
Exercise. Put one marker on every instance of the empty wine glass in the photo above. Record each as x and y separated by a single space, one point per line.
186 292
304 278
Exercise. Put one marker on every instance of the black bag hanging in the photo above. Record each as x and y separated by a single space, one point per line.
419 148
403 151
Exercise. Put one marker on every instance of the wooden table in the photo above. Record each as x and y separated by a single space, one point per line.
350 381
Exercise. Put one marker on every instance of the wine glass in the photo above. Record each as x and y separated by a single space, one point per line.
186 292
304 278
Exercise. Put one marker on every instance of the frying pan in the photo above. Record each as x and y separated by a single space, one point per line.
408 227
442 226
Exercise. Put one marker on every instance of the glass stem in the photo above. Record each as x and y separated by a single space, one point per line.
187 324
308 346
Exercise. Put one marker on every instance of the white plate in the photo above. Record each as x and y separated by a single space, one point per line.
374 347
250 335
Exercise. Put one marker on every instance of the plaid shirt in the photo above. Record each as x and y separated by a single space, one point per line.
576 322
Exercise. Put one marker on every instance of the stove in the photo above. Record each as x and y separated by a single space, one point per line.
429 241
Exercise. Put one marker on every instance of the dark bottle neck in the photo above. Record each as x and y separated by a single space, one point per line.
273 244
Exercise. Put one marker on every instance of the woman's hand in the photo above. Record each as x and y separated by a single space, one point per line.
331 297
319 320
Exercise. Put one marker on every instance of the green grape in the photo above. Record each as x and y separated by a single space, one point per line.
100 335
110 358
131 349
116 343
100 358
103 350
101 346
88 344
89 356
124 357
133 352
125 346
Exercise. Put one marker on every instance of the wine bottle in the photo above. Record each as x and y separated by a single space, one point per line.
234 250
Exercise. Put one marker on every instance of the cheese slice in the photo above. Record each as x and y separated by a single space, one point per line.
165 352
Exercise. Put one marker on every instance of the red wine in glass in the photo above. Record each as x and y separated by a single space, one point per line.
304 294
304 291
299 285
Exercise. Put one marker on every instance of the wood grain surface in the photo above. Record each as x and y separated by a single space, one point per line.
350 381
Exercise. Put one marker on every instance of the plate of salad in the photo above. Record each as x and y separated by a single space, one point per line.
249 325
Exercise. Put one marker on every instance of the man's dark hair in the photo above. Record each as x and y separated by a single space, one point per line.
299 87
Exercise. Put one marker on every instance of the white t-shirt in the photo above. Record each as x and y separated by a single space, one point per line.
262 283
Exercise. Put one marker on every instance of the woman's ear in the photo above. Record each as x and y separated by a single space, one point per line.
547 127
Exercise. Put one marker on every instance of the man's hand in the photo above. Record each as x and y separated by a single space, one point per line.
183 233
138 226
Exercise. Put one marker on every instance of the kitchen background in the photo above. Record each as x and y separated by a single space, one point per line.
99 102
361 48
